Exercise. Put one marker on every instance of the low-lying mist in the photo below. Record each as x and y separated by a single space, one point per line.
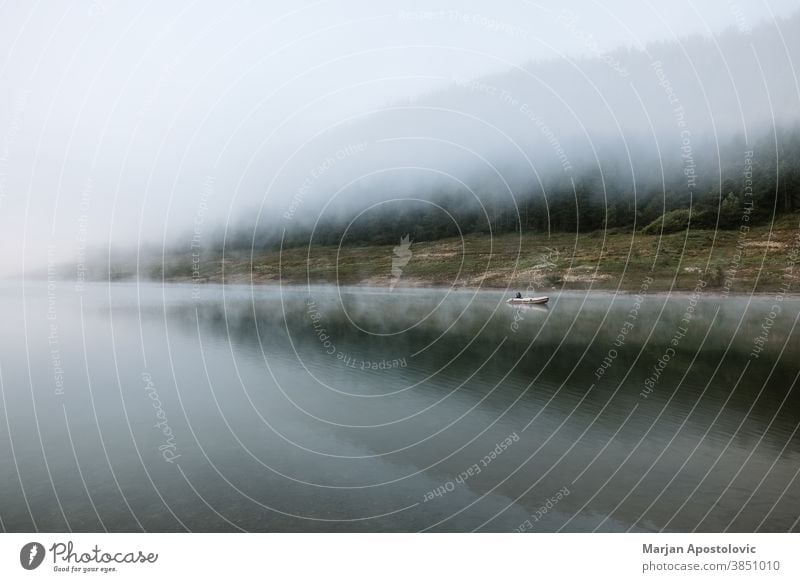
160 130
614 140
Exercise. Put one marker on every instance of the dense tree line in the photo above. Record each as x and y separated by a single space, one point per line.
762 179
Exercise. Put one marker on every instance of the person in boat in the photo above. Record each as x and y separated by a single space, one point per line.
519 295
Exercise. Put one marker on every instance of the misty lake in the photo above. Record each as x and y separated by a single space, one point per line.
132 407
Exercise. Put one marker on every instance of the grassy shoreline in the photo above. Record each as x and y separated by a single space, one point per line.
731 261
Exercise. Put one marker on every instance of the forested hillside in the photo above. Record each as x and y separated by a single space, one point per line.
702 131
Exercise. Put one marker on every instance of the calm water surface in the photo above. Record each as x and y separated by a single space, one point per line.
146 407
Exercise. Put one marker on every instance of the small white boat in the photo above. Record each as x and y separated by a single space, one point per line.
529 300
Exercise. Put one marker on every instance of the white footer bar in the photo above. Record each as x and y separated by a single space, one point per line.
406 557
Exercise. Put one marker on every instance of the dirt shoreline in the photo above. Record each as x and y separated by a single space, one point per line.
707 291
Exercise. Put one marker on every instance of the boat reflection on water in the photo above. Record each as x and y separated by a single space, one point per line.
530 307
